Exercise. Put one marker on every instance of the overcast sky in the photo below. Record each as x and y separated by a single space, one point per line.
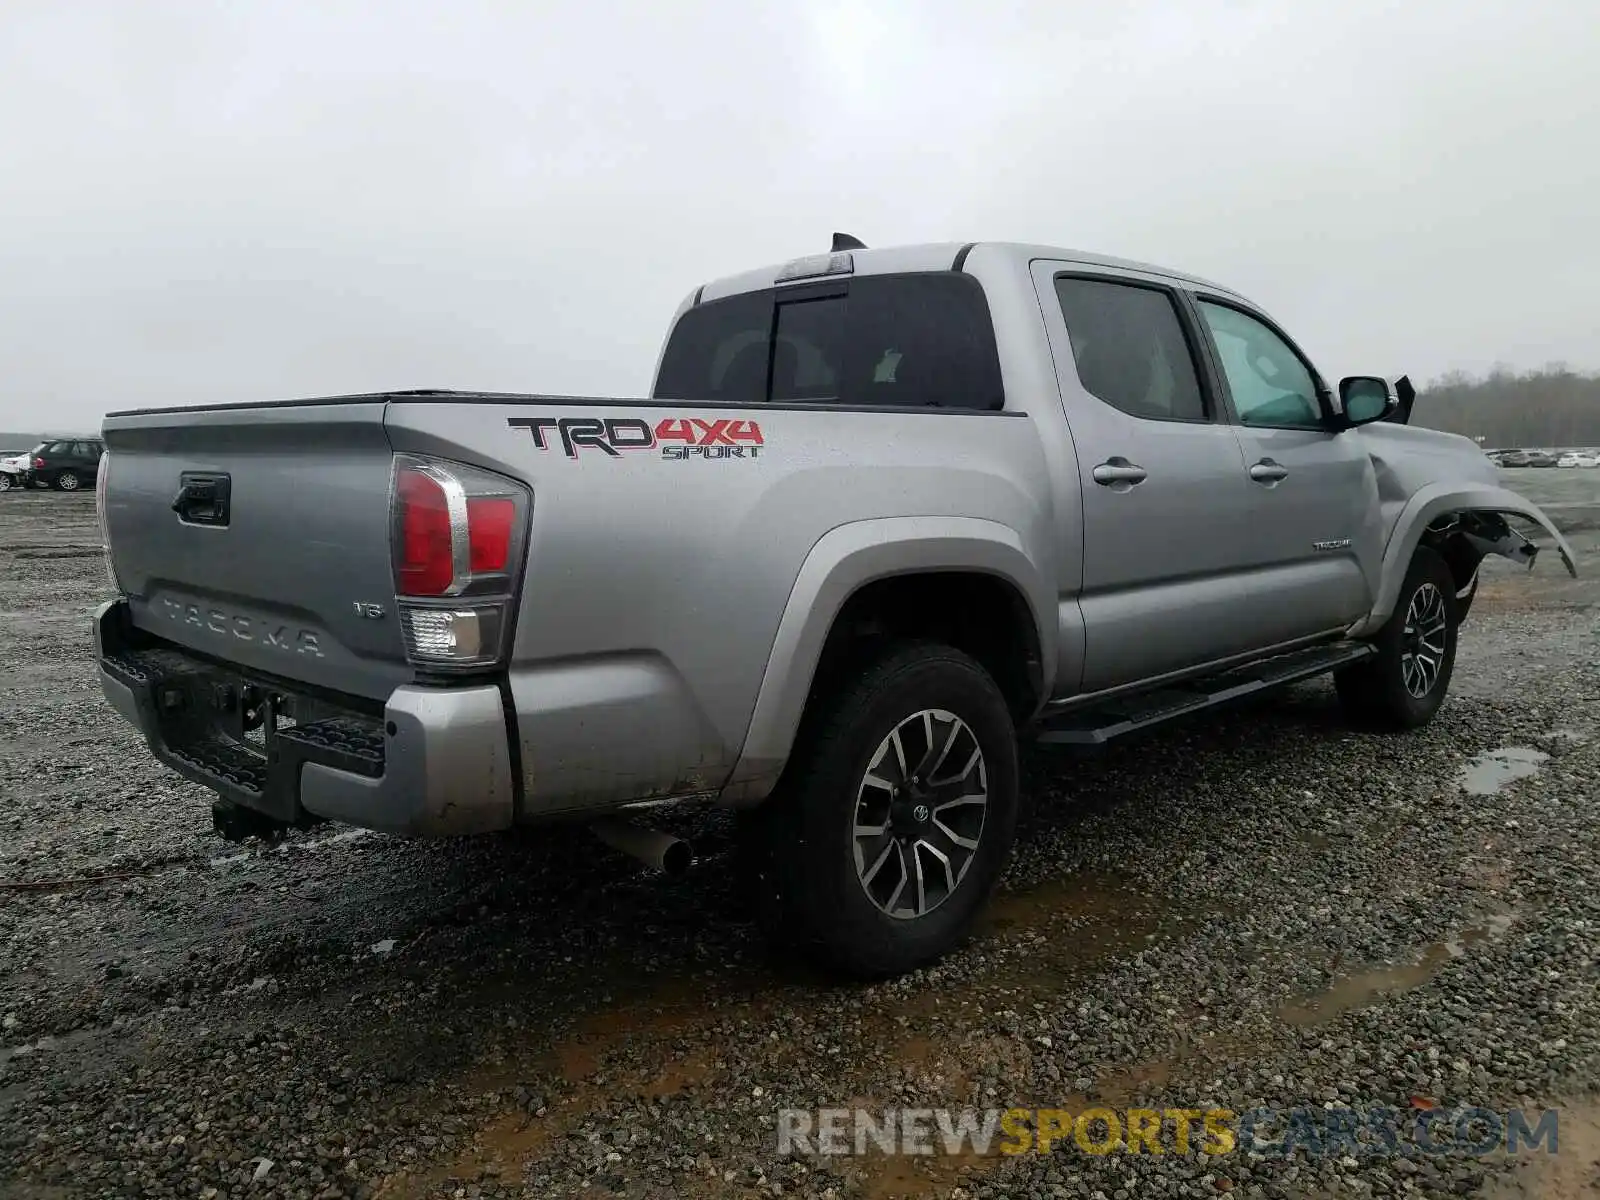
213 202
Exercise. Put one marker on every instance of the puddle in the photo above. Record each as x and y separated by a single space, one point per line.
913 1177
1362 989
1074 921
1487 774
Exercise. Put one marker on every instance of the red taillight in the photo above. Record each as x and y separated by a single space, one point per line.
458 534
490 521
38 464
427 552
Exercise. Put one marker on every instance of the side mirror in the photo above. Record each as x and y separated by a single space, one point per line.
1365 399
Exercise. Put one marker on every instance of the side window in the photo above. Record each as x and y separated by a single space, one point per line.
912 340
57 449
1270 384
921 340
718 351
1130 349
805 351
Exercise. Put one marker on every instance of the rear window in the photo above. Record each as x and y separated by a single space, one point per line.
915 340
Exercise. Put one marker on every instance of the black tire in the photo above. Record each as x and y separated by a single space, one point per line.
1397 688
67 481
5 482
802 848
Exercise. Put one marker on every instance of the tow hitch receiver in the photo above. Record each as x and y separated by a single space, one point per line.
236 823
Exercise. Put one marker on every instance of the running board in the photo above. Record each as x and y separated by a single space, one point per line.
1096 724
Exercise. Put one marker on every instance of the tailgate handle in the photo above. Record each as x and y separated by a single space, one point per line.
203 498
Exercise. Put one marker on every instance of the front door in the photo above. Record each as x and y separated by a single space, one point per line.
1164 489
1316 537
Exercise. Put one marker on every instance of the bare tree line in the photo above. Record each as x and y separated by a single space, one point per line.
1551 406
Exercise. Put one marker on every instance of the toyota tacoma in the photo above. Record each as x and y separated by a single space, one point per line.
883 512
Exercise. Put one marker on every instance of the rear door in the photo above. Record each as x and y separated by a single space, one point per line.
1163 482
260 536
1315 537
86 459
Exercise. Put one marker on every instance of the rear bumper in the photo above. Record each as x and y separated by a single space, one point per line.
434 762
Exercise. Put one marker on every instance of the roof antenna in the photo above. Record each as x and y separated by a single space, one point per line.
843 241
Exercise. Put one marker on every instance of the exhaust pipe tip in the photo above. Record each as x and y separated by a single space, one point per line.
678 857
659 851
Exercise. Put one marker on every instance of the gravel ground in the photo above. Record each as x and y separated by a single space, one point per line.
1258 907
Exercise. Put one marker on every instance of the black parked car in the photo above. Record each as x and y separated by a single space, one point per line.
68 464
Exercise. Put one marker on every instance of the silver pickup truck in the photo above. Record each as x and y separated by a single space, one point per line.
883 512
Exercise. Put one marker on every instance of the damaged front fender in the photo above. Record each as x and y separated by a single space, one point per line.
1488 533
1430 508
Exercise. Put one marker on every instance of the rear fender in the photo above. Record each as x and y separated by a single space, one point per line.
1442 500
844 560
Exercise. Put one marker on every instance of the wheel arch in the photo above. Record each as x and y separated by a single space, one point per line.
869 568
1420 521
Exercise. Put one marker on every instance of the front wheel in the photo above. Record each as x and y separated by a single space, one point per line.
68 481
894 818
5 482
1403 685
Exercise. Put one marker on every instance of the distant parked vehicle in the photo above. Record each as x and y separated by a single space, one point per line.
1514 458
13 472
68 464
1578 458
1541 458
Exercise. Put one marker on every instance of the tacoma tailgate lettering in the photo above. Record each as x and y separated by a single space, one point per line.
214 620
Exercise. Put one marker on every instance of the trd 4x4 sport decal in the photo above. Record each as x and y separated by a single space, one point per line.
676 437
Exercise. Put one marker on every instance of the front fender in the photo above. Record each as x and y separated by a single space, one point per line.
1430 503
844 560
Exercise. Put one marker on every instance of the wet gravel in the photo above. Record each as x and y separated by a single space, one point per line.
1256 908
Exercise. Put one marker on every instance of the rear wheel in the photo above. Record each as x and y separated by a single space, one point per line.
67 481
1403 685
894 818
5 482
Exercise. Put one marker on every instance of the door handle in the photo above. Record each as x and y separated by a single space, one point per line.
1117 472
1268 472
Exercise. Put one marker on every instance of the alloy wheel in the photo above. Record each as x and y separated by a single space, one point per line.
919 813
1423 641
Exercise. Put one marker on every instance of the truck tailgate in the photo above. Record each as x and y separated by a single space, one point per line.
279 561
